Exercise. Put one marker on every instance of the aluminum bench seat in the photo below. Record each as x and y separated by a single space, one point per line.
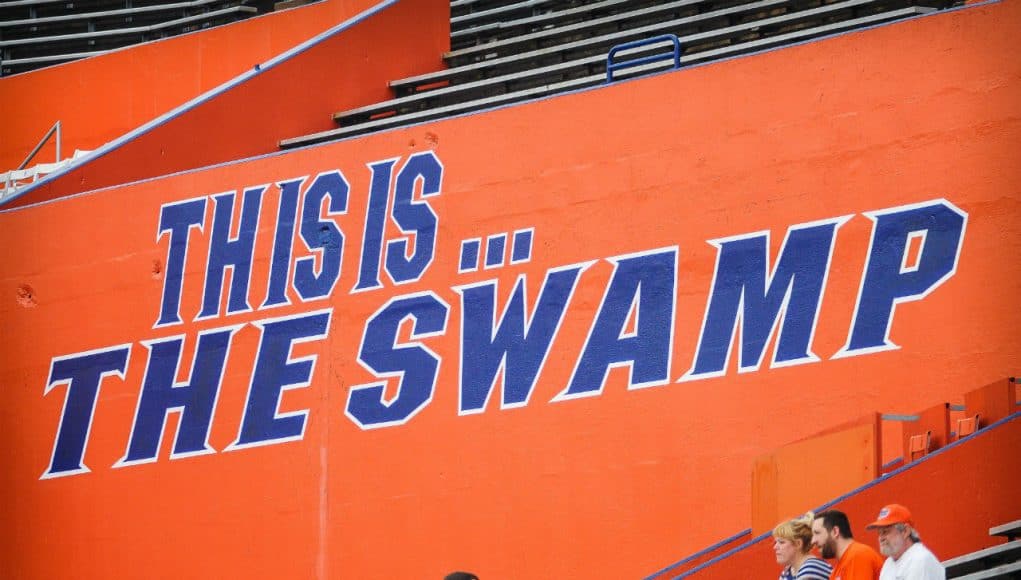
31 3
462 7
536 20
1009 530
27 3
168 7
51 59
1005 572
501 13
18 9
85 36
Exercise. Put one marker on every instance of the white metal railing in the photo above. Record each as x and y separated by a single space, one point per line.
15 178
11 181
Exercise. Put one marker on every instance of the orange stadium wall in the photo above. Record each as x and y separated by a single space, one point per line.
504 362
102 98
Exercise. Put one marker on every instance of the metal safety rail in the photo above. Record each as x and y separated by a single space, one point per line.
674 54
11 180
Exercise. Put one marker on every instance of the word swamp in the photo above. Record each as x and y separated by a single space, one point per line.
752 307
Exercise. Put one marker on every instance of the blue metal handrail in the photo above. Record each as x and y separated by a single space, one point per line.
674 54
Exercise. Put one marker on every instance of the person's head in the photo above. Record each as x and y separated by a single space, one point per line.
792 539
460 576
896 530
831 532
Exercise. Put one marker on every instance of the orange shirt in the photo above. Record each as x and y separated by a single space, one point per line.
859 562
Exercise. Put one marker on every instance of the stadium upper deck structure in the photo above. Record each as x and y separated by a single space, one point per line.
383 290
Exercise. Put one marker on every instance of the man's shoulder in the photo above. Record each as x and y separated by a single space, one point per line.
889 569
861 550
864 555
918 552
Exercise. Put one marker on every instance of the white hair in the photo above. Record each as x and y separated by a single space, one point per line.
912 532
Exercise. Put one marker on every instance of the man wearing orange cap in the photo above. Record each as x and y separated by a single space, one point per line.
831 533
907 558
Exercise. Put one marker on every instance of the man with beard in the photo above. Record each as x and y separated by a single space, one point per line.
907 558
831 533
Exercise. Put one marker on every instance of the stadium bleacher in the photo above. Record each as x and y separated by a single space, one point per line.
505 52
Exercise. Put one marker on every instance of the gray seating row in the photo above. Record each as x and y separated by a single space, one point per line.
1002 561
471 81
506 81
70 31
100 19
25 63
980 560
1010 571
132 30
1009 530
583 28
465 33
501 13
20 9
595 46
462 7
750 36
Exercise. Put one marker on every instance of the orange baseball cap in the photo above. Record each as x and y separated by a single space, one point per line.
890 515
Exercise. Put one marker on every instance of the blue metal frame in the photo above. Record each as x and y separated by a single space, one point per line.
675 54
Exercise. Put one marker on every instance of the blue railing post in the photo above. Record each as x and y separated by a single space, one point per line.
674 54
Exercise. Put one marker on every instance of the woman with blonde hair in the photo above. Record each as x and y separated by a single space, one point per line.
792 543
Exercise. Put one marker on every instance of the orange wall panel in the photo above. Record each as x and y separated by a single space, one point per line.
992 402
802 475
616 479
